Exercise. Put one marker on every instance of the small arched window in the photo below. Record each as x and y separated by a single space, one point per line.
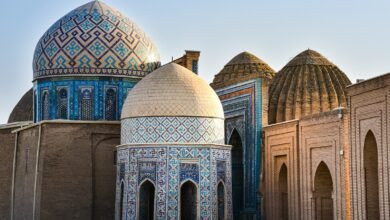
45 106
110 104
86 108
62 103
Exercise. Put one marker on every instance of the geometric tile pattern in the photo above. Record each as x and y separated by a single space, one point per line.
221 171
94 39
147 170
173 166
172 130
244 106
189 171
221 166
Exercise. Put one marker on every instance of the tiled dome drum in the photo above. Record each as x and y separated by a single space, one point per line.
94 39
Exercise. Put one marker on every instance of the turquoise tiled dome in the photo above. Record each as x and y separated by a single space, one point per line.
95 39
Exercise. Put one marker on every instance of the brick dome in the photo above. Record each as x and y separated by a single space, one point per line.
308 84
243 67
23 111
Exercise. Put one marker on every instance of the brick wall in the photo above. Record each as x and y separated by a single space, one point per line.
369 103
75 176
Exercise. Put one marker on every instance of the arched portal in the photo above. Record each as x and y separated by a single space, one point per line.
146 201
188 201
323 188
237 173
371 176
221 201
283 193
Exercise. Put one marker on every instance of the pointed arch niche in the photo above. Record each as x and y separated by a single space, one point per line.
323 188
237 173
146 200
188 201
371 176
221 200
283 192
121 200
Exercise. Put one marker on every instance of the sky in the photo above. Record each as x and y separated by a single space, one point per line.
353 34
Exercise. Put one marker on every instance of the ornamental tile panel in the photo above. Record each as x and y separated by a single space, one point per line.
168 167
172 130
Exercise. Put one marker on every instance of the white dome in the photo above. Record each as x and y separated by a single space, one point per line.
172 90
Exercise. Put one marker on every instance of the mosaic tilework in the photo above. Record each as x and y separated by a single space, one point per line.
175 165
147 170
243 112
221 171
203 154
189 171
221 166
172 130
99 86
95 39
149 155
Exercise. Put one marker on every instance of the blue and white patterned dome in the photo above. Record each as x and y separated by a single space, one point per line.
95 39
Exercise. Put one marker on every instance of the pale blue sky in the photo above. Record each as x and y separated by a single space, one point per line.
355 35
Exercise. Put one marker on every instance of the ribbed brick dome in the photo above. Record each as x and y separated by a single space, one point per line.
243 67
308 84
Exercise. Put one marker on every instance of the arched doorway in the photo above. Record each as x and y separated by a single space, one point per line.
188 201
283 193
371 177
121 201
237 173
221 201
146 201
323 188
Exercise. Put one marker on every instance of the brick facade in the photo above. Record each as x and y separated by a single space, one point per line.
302 145
65 169
369 103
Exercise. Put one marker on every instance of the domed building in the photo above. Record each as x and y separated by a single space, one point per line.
242 86
307 141
87 61
172 162
106 132
59 148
